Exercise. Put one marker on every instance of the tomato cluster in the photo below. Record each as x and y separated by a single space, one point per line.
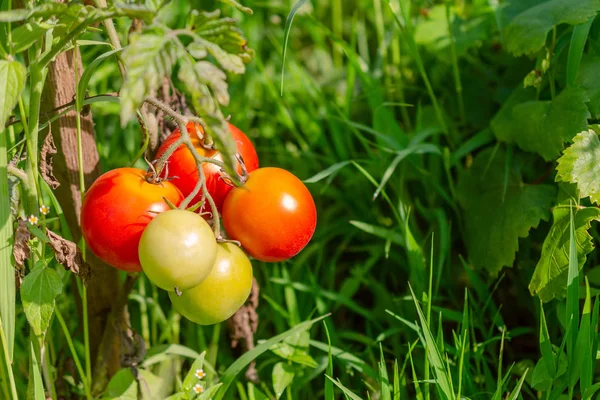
127 222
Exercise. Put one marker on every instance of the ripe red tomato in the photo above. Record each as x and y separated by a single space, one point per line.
182 166
115 212
273 215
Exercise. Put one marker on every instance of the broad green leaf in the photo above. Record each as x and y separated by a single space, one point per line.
497 212
149 384
27 34
149 58
282 375
580 164
12 82
543 126
527 32
549 279
122 386
503 123
38 291
587 78
35 387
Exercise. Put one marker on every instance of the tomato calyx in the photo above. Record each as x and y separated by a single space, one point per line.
222 239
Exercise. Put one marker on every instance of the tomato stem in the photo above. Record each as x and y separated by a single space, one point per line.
184 139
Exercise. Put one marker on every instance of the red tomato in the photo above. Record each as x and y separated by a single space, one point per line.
182 166
115 212
273 215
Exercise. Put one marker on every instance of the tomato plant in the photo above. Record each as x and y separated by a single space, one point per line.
222 293
177 250
182 166
115 211
273 215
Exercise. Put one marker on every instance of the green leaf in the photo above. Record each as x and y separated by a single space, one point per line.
549 279
580 164
149 58
122 386
192 376
163 352
497 212
210 392
87 75
12 82
230 62
527 32
38 291
587 78
237 5
543 126
347 392
203 73
283 374
27 34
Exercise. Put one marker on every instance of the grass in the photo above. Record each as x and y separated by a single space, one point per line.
380 115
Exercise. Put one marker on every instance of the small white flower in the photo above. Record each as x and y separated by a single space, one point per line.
198 388
33 220
200 373
44 209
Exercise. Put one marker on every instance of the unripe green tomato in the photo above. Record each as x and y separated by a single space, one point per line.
177 250
222 293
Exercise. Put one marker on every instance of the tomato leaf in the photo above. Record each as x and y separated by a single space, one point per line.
149 58
580 164
527 32
549 279
27 34
12 81
39 289
543 126
497 212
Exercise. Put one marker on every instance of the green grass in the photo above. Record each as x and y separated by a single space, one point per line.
382 111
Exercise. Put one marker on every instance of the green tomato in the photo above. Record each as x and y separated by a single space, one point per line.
177 250
222 293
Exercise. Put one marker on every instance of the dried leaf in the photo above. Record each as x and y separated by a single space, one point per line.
68 254
21 250
48 150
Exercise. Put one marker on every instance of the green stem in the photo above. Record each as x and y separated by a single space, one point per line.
11 377
86 333
144 312
455 69
69 339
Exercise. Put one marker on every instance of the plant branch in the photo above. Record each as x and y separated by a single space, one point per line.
184 139
19 173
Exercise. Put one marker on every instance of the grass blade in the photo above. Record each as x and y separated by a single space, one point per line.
234 369
7 271
578 39
572 309
514 395
433 353
287 29
347 392
328 382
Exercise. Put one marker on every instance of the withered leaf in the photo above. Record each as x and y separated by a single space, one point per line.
21 250
68 254
48 150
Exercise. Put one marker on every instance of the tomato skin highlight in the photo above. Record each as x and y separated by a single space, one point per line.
273 215
182 165
177 250
115 211
222 293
